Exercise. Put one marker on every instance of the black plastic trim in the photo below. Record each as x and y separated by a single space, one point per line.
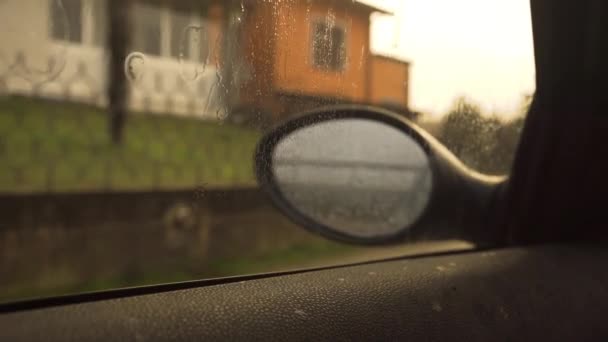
41 303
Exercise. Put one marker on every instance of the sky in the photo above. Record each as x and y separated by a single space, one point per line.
481 49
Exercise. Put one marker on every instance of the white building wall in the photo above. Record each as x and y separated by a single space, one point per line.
32 63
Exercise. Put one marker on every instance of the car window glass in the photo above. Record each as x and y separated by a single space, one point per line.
127 128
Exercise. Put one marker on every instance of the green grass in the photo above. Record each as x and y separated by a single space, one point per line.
53 146
294 257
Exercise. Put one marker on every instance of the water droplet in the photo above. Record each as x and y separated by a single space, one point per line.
135 67
362 59
221 114
504 313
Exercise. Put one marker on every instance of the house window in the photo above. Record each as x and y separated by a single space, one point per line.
99 17
188 37
329 46
179 24
147 29
66 20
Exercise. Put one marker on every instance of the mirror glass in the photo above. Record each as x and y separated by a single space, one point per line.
359 177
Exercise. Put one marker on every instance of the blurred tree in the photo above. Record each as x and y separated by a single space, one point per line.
485 144
462 131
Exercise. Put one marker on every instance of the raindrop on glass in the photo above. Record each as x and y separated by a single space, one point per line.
362 59
221 114
135 64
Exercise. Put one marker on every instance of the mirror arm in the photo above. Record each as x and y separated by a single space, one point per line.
487 196
465 203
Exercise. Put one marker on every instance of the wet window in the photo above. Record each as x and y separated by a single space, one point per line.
97 14
329 46
180 44
127 159
189 38
147 22
65 16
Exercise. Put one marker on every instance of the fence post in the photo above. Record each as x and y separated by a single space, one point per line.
119 37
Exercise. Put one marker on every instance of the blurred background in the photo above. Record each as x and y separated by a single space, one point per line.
127 128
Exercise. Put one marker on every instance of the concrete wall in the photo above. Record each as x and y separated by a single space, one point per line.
75 238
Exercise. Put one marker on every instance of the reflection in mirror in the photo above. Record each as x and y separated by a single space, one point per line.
358 177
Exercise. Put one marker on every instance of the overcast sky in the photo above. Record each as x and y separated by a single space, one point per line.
478 48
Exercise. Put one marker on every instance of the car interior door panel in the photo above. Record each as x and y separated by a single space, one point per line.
541 293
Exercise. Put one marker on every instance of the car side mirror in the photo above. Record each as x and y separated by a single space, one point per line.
365 175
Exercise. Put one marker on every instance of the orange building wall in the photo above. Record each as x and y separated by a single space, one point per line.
293 64
277 48
258 40
389 81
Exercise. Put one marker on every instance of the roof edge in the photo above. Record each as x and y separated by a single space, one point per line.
392 58
372 8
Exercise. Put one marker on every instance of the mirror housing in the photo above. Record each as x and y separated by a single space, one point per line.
460 204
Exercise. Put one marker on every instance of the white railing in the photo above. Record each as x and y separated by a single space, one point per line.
75 72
